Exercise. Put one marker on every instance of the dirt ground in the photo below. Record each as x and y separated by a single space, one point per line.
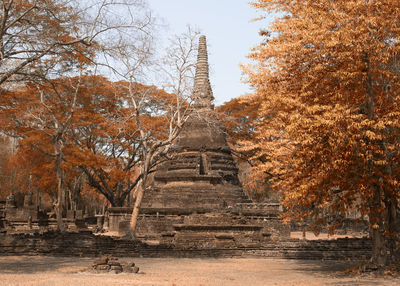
56 271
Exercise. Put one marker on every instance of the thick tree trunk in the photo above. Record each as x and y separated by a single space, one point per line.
379 248
383 229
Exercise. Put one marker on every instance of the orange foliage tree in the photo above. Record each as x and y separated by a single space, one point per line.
86 124
21 167
239 116
40 115
107 145
7 177
327 75
43 45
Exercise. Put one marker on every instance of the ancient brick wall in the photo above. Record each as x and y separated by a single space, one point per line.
85 244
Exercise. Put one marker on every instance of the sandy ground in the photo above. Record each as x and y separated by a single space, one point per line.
56 271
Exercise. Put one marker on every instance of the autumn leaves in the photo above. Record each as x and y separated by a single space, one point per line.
327 80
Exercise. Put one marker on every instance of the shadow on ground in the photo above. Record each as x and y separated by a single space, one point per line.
34 265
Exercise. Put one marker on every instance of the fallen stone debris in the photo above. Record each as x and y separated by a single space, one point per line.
108 264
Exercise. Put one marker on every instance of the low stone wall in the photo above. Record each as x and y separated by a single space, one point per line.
336 249
68 244
89 245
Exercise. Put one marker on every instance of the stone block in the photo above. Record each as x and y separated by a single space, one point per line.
123 227
224 236
114 263
130 268
116 215
99 221
103 267
101 260
70 214
79 214
28 201
116 268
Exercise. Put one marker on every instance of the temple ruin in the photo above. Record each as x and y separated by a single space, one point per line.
194 206
195 199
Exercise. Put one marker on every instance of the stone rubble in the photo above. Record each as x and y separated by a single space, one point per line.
109 264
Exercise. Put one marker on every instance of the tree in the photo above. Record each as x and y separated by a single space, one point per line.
44 40
6 173
40 36
31 31
106 141
27 167
40 115
239 116
178 66
328 80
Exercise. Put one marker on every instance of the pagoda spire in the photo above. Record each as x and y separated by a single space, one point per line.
202 93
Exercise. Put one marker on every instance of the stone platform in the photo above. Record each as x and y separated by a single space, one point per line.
243 225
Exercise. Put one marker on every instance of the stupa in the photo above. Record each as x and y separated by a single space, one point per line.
196 199
202 174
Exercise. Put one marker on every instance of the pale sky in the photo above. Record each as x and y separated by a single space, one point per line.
230 36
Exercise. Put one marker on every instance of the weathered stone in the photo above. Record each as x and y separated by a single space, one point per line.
79 214
103 267
116 268
101 260
10 201
28 199
77 244
70 214
114 262
135 269
117 215
224 236
99 222
123 227
202 92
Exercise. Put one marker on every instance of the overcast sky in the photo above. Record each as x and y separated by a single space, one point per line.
230 36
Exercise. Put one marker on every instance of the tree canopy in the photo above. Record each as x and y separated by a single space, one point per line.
51 37
327 77
102 138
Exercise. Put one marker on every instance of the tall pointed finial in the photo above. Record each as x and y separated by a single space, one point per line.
202 92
